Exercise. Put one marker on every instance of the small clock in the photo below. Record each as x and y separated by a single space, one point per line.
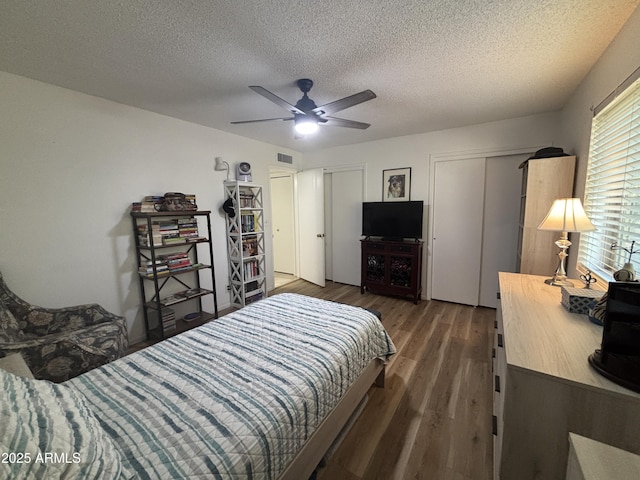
243 172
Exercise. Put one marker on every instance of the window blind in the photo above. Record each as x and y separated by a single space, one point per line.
612 190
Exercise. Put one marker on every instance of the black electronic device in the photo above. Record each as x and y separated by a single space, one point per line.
392 220
618 358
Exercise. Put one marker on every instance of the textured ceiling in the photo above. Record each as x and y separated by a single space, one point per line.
433 64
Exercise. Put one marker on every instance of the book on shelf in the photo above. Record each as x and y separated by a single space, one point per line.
169 232
173 255
173 240
249 246
160 273
251 286
248 222
251 269
143 236
254 298
194 292
156 203
168 318
148 270
190 201
196 239
168 264
150 203
179 264
172 299
247 199
178 297
187 227
143 207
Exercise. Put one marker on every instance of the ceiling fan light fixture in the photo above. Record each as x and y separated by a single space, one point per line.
306 125
307 115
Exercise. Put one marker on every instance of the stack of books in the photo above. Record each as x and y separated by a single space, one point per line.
176 261
190 201
249 246
170 232
248 222
147 268
143 236
254 298
247 199
251 269
188 228
168 319
180 296
169 263
171 299
150 203
251 286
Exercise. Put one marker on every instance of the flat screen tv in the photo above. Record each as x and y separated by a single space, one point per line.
392 220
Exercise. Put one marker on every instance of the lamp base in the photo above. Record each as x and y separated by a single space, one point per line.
559 278
559 282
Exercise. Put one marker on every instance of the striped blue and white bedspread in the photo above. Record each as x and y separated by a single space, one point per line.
238 397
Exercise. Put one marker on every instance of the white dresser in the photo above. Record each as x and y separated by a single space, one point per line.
545 387
591 460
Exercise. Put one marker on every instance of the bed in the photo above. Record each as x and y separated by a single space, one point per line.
260 393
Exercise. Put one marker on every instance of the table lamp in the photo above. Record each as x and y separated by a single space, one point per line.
566 215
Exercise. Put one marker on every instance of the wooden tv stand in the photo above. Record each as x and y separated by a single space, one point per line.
391 267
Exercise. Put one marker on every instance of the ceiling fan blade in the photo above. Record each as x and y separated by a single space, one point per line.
341 122
344 103
262 120
275 99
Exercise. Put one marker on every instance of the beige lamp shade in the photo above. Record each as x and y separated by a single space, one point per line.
566 215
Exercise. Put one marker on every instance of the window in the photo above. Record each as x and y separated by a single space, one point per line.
612 190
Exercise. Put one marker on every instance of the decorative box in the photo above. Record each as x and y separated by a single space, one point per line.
580 300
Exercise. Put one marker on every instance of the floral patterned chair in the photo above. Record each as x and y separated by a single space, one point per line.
59 343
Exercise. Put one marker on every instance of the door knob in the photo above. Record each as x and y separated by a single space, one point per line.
320 235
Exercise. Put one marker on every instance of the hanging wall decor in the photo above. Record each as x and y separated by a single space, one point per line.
396 185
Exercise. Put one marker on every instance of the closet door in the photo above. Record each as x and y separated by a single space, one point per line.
503 181
458 208
346 228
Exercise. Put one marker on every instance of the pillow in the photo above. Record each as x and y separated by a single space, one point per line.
47 431
14 363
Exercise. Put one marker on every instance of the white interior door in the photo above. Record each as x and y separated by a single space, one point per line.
458 205
310 187
328 228
284 258
346 225
500 229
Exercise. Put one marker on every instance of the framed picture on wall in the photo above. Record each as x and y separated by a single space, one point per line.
396 185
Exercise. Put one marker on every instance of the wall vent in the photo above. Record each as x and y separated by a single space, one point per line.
285 158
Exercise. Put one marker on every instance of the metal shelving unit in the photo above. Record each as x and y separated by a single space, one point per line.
164 289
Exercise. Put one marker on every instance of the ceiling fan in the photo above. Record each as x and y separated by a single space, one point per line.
307 115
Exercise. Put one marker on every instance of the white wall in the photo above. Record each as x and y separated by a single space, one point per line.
621 58
70 166
415 151
569 129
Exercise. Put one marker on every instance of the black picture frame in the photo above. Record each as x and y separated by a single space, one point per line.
396 185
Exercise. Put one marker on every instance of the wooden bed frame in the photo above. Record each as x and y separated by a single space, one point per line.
308 458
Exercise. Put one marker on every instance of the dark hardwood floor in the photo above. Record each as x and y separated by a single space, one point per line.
432 420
